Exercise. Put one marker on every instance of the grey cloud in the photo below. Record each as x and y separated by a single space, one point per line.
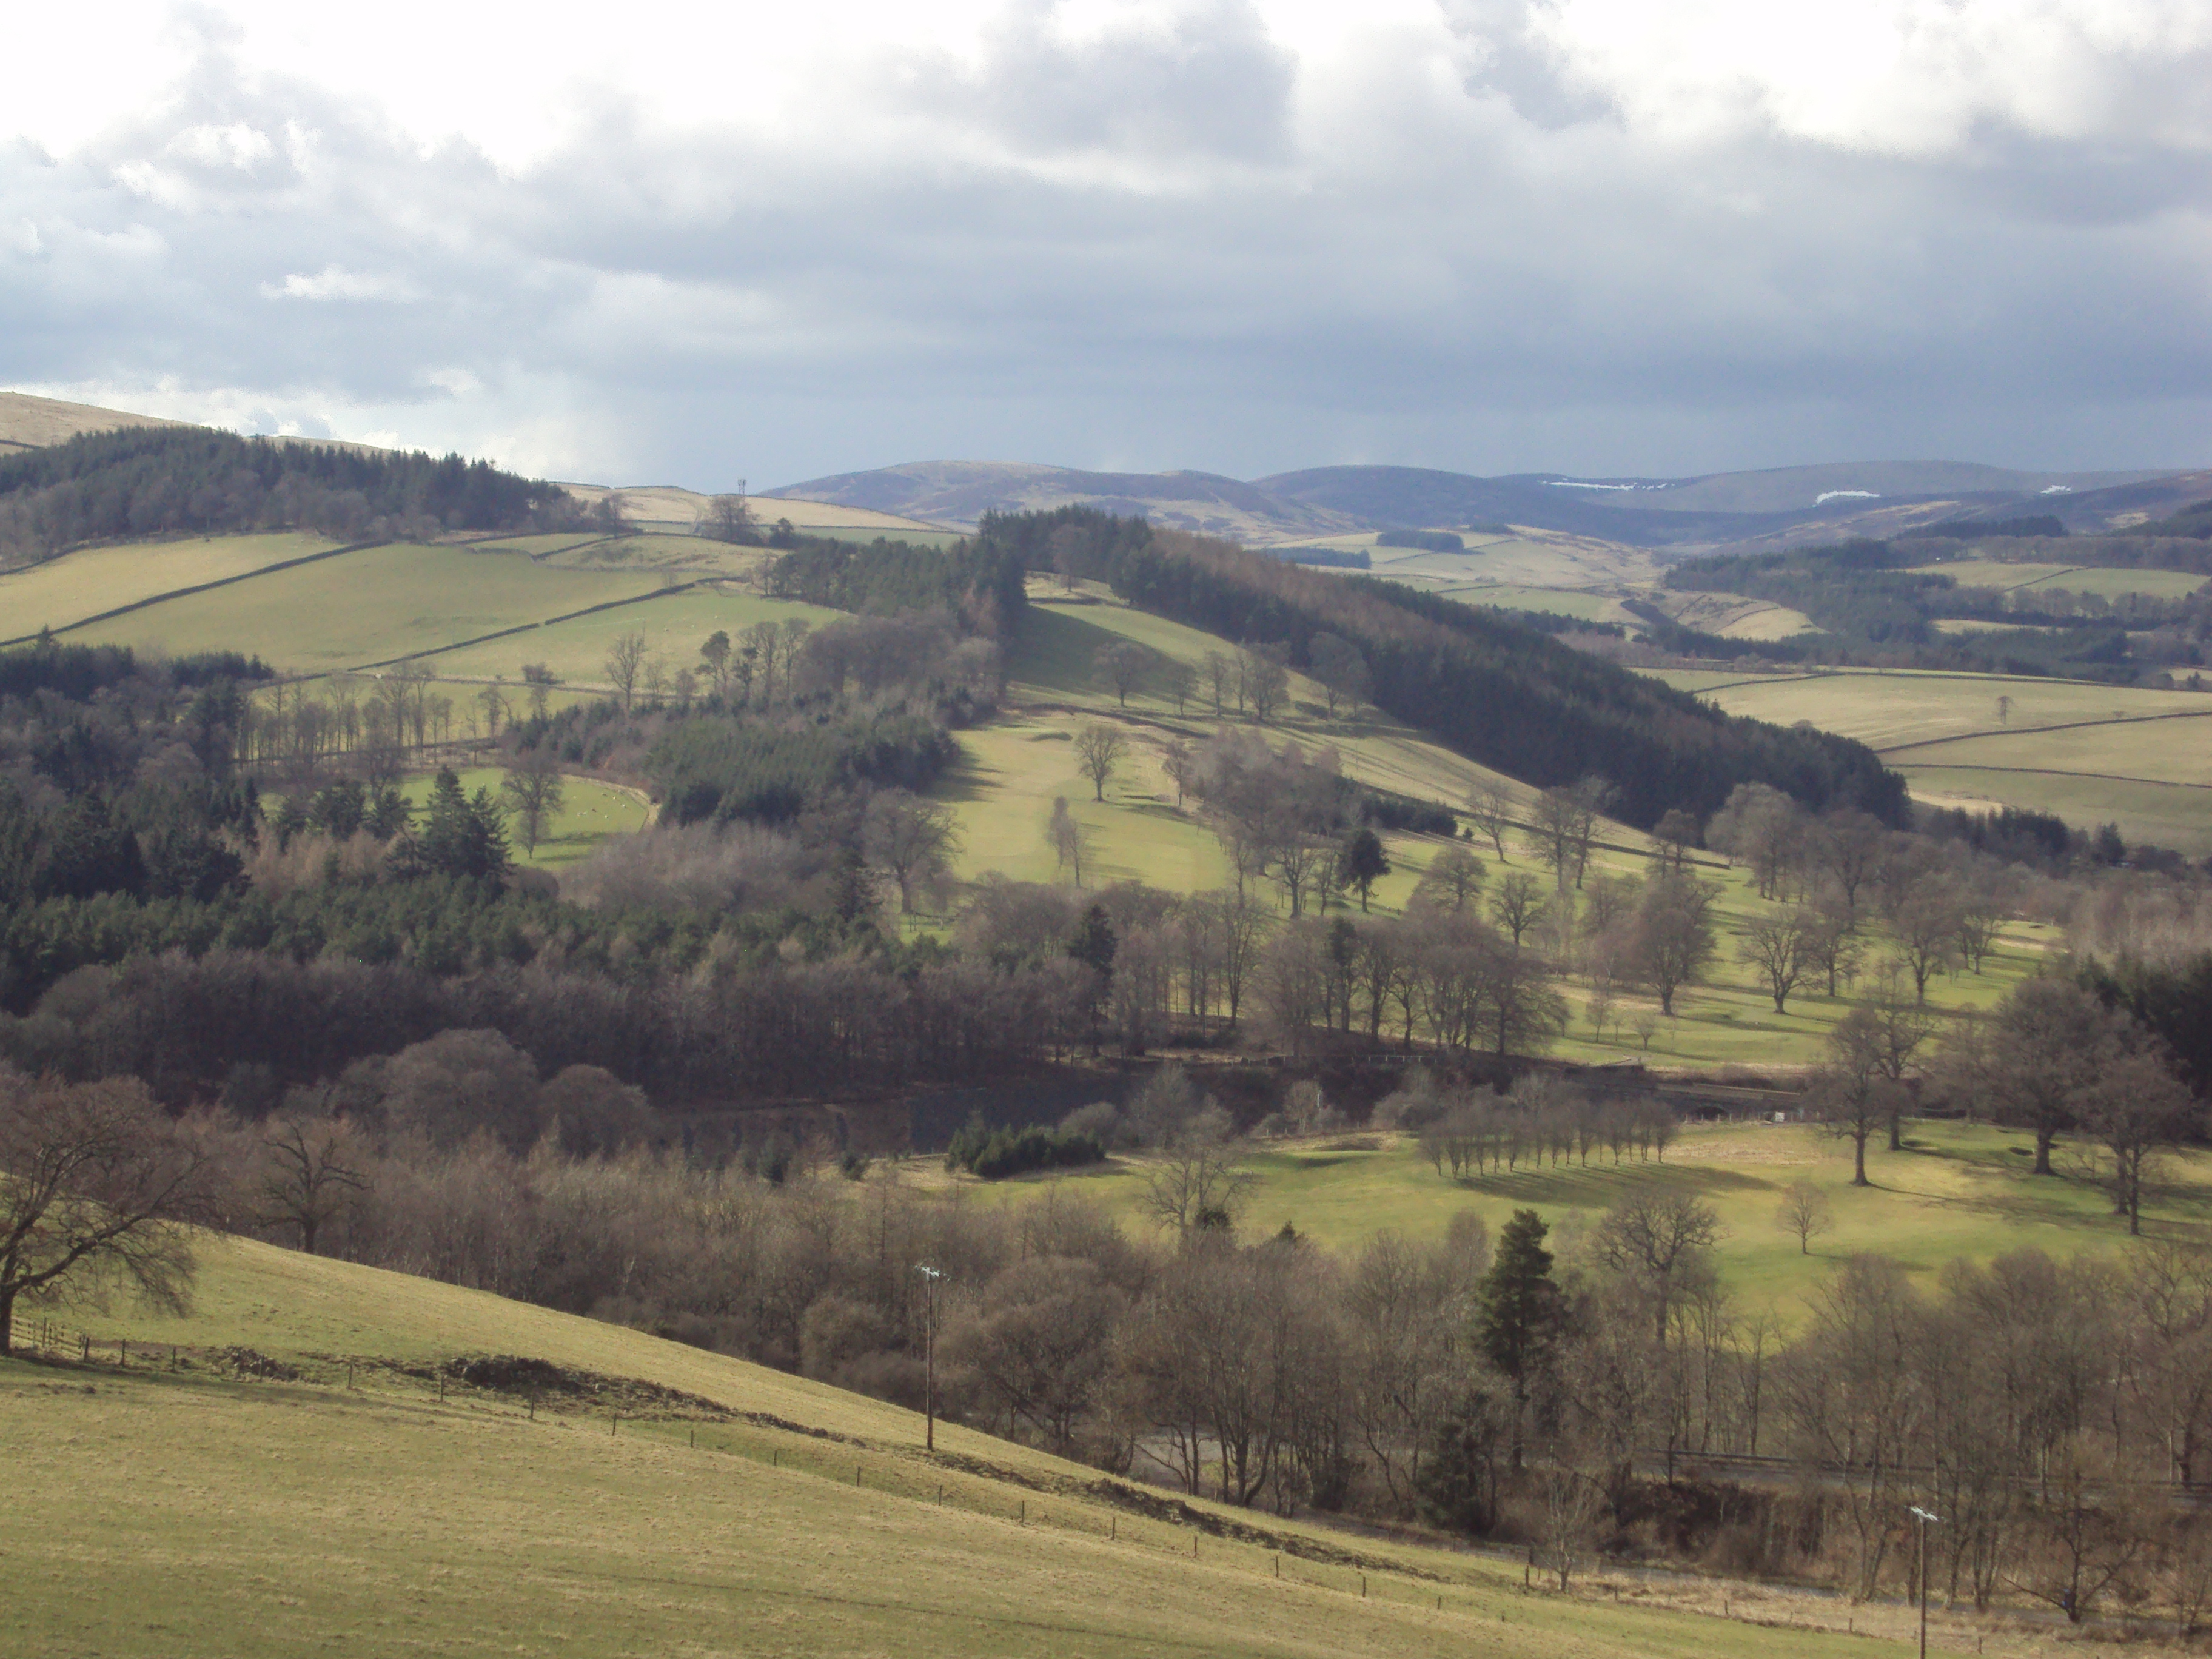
1474 285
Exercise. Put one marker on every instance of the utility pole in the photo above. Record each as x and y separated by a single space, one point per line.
1923 1517
930 1276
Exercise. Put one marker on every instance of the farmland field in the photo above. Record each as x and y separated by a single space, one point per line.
368 606
2139 758
1958 1191
227 1515
2075 578
1012 768
1559 601
95 579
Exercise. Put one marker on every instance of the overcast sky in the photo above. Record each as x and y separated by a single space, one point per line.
679 243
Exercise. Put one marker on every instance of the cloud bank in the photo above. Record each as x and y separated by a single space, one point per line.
1489 235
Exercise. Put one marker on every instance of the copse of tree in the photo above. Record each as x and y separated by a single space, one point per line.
1433 541
711 766
978 581
993 1154
154 481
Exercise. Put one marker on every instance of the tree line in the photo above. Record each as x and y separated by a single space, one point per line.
168 481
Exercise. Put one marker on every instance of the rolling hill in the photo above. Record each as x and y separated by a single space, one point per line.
325 1454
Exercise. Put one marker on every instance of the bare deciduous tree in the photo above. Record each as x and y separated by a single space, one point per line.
1805 1212
1099 751
625 662
96 1183
314 1165
534 793
911 838
1123 664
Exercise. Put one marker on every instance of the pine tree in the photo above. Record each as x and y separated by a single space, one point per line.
1517 1312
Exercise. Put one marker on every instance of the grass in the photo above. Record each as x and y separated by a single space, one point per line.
1957 1192
95 579
590 812
2136 756
209 1515
368 606
2075 578
1559 601
674 624
1012 768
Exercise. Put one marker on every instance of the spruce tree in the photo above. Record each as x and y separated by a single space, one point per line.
1517 1312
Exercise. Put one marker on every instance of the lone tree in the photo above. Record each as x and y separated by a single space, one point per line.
1780 948
1099 751
1489 810
1664 1241
625 664
1123 665
1069 844
1805 1210
96 1183
534 795
1452 881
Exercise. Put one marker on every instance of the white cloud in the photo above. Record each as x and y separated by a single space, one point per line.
335 282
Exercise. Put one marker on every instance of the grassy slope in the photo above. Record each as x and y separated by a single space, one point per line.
1013 768
2126 763
365 606
210 1516
100 579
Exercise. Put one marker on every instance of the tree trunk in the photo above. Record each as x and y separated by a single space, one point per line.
1858 1154
7 1323
1897 1132
2043 1139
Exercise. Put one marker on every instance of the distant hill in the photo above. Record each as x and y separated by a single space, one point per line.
1777 505
961 492
33 422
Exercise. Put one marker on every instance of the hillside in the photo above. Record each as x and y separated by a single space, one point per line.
32 422
282 1469
961 492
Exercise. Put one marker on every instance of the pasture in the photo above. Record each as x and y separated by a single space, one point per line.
1002 793
2090 753
1958 1191
212 1511
2074 578
368 606
93 580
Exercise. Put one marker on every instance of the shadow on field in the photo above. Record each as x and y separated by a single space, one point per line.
1058 652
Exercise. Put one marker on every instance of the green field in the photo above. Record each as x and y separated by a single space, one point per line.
2075 578
190 1511
1558 601
368 606
1012 768
95 579
2139 758
1958 1191
590 812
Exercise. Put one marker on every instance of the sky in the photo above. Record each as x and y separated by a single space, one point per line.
676 243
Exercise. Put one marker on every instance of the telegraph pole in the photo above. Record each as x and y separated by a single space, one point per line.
1923 1517
929 1277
